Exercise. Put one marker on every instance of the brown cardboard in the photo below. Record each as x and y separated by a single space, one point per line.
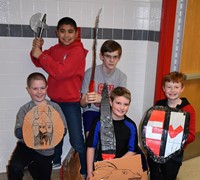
43 127
126 168
70 169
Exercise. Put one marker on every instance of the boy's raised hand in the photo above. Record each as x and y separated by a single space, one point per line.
38 42
37 47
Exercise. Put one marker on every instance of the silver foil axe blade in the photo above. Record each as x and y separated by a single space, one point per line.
36 24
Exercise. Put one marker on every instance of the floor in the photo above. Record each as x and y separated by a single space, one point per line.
55 175
190 169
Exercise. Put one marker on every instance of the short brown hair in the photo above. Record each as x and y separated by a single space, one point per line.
111 46
174 77
35 76
120 91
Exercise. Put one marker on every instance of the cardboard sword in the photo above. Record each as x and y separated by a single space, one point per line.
108 139
92 82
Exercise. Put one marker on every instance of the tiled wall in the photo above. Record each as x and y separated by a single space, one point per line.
15 30
135 24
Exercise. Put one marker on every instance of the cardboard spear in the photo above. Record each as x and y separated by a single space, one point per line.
92 82
37 25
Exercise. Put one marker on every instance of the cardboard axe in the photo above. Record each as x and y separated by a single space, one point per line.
37 25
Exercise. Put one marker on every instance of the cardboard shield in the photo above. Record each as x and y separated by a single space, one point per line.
43 127
124 168
164 132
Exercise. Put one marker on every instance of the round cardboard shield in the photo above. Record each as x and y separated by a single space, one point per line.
43 127
164 132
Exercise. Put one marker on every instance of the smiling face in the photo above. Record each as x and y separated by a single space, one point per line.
120 106
66 34
173 90
37 90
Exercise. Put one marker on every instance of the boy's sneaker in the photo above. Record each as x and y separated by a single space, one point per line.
56 166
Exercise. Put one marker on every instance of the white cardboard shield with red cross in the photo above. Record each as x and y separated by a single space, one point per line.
164 132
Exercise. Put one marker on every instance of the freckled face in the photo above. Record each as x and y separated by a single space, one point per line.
120 106
66 34
173 90
37 91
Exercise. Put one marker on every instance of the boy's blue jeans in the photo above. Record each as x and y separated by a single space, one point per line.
72 112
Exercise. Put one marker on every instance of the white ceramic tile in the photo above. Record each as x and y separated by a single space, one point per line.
118 14
2 117
7 145
139 23
4 5
52 6
7 91
11 103
89 15
26 16
145 24
152 23
15 5
63 6
135 46
13 43
6 156
40 6
10 79
9 56
10 114
128 17
6 136
108 18
14 17
157 25
11 68
75 12
64 9
27 6
142 11
4 17
155 11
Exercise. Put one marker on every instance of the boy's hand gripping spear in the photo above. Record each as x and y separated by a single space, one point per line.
92 82
38 26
